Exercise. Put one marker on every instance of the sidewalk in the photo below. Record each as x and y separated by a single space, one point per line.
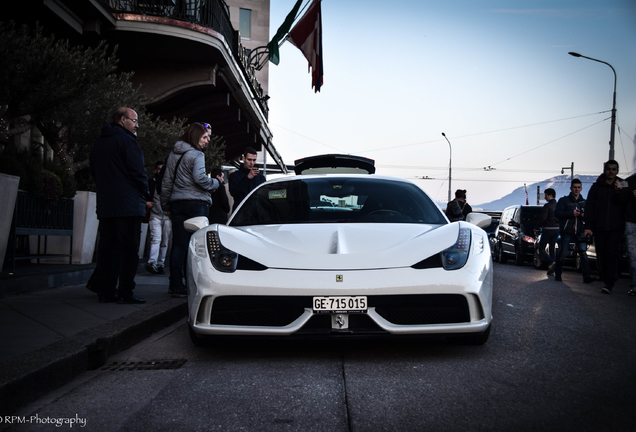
51 335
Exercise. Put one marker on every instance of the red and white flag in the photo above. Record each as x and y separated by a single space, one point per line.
307 37
527 201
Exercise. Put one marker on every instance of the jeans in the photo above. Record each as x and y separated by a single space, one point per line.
160 231
548 237
630 238
564 247
607 254
180 211
117 255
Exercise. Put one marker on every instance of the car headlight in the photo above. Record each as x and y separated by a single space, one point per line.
222 258
528 239
456 256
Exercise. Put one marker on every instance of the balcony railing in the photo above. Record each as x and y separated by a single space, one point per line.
213 14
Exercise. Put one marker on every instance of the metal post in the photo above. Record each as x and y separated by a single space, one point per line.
613 126
450 163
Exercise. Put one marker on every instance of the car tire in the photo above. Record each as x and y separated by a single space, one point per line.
536 259
518 256
501 256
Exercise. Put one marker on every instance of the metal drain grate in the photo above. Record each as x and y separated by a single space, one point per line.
145 365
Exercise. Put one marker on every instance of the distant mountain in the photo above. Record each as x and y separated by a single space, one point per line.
561 184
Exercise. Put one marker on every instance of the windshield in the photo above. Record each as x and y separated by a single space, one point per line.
338 199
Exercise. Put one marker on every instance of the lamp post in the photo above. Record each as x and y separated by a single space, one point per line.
611 143
571 168
450 163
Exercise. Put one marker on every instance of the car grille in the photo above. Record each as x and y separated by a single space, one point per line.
278 311
422 309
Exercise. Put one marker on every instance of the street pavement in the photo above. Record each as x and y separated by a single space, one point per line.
52 334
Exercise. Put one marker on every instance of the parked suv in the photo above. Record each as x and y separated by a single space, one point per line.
514 236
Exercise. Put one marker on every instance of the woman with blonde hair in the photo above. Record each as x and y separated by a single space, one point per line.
185 194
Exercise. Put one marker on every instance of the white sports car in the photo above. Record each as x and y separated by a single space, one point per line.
339 254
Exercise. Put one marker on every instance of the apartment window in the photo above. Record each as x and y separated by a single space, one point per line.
245 23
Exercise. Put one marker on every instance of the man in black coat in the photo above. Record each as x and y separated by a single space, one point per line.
604 219
117 165
570 210
550 230
246 178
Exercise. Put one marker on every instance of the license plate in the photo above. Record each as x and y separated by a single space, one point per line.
342 304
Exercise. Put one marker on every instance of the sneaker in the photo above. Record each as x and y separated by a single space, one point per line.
151 268
160 270
606 290
558 278
180 292
588 279
632 292
551 269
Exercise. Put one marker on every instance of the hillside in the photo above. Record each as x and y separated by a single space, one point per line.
561 184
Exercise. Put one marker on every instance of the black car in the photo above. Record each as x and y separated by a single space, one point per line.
514 236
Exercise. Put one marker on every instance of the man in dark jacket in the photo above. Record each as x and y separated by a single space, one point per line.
550 232
569 210
117 165
458 208
604 220
246 178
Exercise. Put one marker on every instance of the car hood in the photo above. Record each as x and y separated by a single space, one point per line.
338 246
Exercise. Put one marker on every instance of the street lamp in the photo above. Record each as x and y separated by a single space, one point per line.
450 163
571 167
611 143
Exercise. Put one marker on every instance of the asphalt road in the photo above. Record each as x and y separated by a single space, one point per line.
561 357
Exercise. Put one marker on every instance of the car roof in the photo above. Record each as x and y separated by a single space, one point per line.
334 164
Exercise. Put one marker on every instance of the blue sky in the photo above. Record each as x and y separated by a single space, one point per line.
495 76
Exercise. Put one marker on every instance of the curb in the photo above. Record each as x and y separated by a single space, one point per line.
33 375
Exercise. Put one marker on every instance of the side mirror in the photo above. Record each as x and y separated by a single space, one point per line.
196 223
479 219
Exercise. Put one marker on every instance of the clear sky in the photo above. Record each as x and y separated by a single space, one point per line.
495 76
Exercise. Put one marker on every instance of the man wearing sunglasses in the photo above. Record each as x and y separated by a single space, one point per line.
117 165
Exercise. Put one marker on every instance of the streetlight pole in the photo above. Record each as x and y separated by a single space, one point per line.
571 168
611 143
450 163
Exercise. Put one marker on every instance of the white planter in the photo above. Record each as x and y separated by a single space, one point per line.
142 240
8 193
85 225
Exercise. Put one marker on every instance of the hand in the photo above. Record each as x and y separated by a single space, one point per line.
253 173
587 232
150 204
577 212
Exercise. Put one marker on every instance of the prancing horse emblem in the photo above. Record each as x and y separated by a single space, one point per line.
338 278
